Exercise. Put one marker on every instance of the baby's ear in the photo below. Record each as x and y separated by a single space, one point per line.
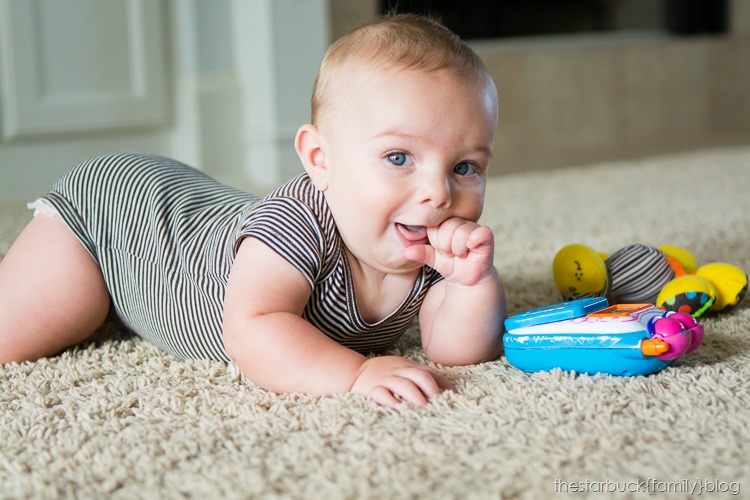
311 154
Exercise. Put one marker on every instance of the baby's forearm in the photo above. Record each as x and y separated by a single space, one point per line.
466 325
284 353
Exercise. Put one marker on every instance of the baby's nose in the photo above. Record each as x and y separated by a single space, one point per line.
434 190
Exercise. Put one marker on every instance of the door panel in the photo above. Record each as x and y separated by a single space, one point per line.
80 65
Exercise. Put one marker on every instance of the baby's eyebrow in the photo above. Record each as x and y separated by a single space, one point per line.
480 148
484 149
393 133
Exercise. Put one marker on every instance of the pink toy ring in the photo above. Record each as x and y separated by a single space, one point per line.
681 332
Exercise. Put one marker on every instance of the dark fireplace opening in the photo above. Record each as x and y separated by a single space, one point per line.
473 19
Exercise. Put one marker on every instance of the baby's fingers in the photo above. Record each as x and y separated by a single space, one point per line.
481 236
384 397
407 390
429 381
413 386
390 380
442 380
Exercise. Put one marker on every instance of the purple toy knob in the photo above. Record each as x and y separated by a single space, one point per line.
673 332
690 323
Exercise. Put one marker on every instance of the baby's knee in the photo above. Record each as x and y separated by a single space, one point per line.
12 351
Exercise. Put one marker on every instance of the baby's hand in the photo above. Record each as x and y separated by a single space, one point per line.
460 250
391 379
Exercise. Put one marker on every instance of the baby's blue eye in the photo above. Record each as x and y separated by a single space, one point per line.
398 159
464 168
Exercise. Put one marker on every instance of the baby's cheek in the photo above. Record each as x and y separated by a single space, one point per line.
470 207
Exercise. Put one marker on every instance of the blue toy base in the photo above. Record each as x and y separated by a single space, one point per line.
587 336
610 361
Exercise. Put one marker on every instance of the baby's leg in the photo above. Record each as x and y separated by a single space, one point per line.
52 294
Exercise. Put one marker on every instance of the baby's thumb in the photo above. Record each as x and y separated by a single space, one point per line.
424 254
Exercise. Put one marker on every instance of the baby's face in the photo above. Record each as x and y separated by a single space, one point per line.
405 150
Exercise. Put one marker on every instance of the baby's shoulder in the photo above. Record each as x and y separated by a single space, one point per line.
295 221
300 188
296 200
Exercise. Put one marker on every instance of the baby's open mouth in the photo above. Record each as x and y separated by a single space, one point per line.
412 234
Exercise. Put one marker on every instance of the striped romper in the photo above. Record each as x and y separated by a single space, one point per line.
165 236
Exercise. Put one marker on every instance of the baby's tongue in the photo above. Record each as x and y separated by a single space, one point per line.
414 233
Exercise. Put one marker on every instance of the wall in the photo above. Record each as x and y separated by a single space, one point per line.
586 99
237 74
71 88
346 14
589 100
574 99
220 85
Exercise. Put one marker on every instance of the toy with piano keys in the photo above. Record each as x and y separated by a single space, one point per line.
589 336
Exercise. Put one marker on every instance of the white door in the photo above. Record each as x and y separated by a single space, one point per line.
218 84
77 77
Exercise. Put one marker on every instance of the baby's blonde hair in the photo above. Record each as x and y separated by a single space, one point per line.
405 41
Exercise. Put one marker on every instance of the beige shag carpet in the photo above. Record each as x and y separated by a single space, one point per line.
116 418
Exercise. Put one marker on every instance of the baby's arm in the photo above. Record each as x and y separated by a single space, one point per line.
276 348
462 316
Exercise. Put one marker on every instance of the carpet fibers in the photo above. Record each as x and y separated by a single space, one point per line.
117 418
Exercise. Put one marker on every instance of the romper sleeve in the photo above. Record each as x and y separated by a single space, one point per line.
291 229
433 276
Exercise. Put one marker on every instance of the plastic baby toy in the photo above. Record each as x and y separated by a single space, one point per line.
588 336
667 276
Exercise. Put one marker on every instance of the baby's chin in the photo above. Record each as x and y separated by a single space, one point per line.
408 261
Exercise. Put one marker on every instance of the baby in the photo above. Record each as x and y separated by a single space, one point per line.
299 287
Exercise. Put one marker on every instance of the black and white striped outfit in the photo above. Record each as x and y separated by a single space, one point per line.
165 236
